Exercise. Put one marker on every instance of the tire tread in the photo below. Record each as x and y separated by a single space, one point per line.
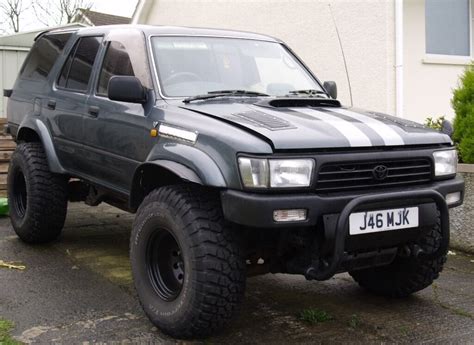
404 277
47 196
220 269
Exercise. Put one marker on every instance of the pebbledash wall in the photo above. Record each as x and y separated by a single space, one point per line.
462 227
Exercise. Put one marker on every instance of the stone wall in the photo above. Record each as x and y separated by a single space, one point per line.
462 217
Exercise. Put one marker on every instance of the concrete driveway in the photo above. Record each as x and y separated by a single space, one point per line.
79 290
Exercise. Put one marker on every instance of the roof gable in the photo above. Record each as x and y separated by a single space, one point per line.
98 18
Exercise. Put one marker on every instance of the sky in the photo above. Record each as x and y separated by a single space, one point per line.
29 21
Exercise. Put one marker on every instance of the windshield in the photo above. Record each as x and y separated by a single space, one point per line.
190 66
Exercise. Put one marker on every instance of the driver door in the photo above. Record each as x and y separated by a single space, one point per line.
116 134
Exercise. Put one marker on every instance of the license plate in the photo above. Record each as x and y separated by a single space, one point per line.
383 220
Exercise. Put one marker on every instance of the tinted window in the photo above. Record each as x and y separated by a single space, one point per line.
43 56
116 62
77 70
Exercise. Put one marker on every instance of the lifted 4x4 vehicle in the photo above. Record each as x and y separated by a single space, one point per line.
237 161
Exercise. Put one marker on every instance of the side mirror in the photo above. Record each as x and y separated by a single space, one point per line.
447 128
331 88
126 89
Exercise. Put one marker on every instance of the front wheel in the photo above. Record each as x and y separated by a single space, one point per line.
186 261
405 276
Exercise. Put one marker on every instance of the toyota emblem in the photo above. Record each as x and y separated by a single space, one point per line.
380 172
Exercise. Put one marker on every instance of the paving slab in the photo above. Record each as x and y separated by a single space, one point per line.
79 290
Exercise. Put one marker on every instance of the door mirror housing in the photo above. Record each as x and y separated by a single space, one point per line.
331 88
447 128
126 89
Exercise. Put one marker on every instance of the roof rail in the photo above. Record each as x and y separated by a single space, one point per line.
72 27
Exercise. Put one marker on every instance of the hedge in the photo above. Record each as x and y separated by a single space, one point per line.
463 104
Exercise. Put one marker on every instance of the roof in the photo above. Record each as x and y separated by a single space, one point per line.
150 30
99 18
26 39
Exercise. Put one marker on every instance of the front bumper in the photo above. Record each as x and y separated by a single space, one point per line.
256 210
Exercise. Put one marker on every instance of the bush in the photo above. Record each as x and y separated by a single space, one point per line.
463 104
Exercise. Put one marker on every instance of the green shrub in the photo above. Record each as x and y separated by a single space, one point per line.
463 104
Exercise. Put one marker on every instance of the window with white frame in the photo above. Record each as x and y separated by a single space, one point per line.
448 27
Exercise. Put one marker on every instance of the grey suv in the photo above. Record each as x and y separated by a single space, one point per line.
236 160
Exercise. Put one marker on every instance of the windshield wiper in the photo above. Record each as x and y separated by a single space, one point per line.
225 93
309 92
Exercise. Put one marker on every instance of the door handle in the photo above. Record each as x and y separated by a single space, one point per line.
93 110
51 104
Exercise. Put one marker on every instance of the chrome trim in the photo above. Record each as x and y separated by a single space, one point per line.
173 132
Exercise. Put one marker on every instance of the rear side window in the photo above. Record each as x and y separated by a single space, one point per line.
43 55
116 62
77 69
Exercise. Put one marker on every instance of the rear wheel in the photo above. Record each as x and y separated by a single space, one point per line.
405 276
186 261
37 197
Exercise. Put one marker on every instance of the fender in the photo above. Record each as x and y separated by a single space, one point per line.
178 169
40 128
184 162
193 159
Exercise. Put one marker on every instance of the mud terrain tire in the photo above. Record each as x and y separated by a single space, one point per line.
187 265
404 276
37 197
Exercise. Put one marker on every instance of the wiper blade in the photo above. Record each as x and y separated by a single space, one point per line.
225 93
238 92
308 92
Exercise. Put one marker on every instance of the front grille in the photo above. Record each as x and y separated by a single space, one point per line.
347 176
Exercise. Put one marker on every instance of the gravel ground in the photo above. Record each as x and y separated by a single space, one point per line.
79 290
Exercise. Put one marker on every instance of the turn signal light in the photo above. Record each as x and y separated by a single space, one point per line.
453 198
297 215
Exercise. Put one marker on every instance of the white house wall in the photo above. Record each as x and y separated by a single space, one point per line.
427 84
10 64
366 28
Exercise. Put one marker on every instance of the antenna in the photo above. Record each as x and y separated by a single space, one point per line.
343 55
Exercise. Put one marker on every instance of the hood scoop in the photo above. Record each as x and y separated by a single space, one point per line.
296 102
261 119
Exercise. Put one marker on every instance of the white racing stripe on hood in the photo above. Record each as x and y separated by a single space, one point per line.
353 134
389 136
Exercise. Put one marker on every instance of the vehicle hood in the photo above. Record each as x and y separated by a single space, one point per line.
306 127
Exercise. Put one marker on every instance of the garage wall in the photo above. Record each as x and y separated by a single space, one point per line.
366 28
11 60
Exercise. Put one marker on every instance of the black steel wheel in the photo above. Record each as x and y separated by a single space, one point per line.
165 265
20 194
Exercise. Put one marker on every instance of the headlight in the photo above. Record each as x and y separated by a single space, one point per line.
287 173
276 173
445 162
